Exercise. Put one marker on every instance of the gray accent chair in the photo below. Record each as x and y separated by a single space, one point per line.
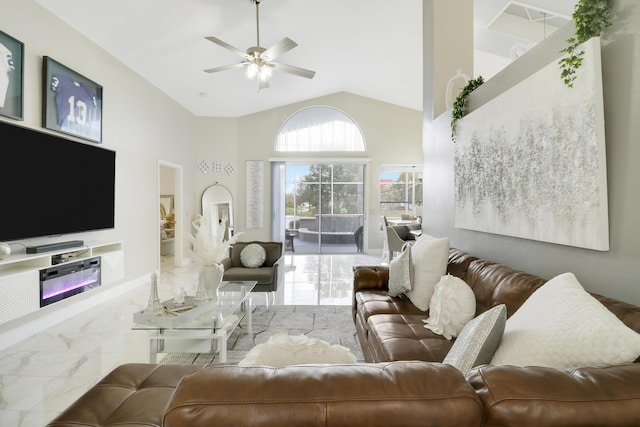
269 276
398 235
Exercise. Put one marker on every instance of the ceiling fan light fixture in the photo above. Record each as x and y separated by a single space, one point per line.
264 73
252 71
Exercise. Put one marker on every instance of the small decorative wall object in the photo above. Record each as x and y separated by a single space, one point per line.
204 166
455 85
11 76
255 194
229 169
217 167
531 163
71 103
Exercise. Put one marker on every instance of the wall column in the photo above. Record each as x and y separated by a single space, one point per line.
447 47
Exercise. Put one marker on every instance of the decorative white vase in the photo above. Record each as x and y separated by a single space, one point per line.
209 280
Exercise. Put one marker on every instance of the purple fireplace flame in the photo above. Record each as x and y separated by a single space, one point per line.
68 279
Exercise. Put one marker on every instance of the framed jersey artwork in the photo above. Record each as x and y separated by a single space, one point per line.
72 103
11 76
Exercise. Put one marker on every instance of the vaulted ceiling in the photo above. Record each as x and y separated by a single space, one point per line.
371 48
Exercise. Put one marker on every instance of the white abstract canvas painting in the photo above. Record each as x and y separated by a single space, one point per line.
531 163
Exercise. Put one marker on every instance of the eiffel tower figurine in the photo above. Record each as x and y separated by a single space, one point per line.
154 307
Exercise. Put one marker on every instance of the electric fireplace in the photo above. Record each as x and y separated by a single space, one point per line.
67 279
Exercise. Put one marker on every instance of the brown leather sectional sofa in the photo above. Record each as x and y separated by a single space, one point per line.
407 386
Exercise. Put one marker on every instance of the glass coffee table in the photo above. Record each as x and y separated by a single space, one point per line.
182 328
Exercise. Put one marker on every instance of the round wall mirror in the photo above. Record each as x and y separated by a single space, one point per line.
217 207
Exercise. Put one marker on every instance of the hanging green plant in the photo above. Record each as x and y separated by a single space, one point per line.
460 104
591 17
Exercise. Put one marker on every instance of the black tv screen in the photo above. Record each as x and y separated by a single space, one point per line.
52 185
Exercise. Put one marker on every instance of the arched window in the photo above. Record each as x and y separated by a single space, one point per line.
319 128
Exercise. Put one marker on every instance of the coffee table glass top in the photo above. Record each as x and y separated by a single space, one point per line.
209 314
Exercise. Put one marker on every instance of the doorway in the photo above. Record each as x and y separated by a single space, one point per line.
324 208
170 214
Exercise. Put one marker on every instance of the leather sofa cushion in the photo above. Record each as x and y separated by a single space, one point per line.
370 277
495 284
394 394
395 337
602 396
628 313
459 262
131 394
379 302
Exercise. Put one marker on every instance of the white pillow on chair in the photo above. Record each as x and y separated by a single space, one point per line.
253 256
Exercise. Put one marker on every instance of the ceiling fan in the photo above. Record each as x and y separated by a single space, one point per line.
258 61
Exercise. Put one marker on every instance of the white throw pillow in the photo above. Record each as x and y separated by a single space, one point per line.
253 255
561 326
429 257
478 340
452 305
401 272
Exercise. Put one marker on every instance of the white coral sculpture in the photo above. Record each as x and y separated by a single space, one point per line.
209 247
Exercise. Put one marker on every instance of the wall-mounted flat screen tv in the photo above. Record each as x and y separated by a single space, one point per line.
53 186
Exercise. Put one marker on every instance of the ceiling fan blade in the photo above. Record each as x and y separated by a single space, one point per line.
227 46
283 46
225 67
291 69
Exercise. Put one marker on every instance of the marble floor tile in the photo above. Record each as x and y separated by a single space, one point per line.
45 373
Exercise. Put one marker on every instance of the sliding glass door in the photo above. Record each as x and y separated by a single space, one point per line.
324 207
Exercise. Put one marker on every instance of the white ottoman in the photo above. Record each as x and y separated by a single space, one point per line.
283 350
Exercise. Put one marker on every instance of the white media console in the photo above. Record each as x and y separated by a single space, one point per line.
20 292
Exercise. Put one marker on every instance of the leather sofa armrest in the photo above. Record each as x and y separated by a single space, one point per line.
370 277
409 393
133 394
518 396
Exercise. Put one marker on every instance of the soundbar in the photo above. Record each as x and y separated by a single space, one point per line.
54 246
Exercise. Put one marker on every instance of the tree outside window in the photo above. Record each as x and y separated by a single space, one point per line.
401 191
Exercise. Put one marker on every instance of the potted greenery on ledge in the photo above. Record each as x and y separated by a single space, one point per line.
460 104
591 17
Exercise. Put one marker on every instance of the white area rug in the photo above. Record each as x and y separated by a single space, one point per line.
330 323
